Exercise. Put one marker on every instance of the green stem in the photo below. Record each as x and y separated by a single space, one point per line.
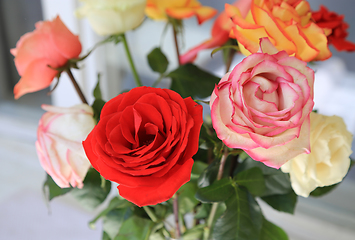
76 86
176 216
158 80
130 60
150 213
219 177
230 59
176 44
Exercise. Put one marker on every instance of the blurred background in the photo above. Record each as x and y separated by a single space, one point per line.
23 211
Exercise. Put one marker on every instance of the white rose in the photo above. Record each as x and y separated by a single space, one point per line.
59 143
109 17
328 161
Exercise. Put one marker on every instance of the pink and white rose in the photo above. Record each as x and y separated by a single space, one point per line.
59 143
262 106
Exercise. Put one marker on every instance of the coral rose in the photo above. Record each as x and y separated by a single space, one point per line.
59 137
109 17
328 161
51 43
334 27
145 141
178 9
286 23
219 33
263 106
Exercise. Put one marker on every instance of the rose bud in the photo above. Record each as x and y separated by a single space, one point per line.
50 44
108 17
59 143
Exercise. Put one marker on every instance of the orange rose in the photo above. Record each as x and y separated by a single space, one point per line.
178 9
219 33
286 23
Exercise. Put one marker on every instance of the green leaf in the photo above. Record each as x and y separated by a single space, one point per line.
98 102
320 191
242 219
92 194
186 197
97 107
276 182
228 47
157 60
189 80
197 169
97 91
114 219
252 179
135 228
218 191
52 190
208 175
282 202
270 231
194 233
105 236
203 211
157 236
114 203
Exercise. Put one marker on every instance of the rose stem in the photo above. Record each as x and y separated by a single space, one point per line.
176 216
129 56
219 177
76 86
150 213
230 59
176 44
154 218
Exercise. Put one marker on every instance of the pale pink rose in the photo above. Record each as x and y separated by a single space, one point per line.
262 106
51 43
59 143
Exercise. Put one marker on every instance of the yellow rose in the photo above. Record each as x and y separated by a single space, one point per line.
328 161
178 9
109 17
285 22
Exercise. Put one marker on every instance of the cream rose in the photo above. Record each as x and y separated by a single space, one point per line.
328 161
108 17
59 143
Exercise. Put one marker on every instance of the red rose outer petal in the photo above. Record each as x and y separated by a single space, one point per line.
150 195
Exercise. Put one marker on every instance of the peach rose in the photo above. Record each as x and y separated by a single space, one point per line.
328 161
286 23
262 106
51 43
178 9
219 33
59 143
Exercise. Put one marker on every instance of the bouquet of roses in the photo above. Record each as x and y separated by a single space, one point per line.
180 174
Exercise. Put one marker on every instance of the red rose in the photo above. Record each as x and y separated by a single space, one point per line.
145 141
334 27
